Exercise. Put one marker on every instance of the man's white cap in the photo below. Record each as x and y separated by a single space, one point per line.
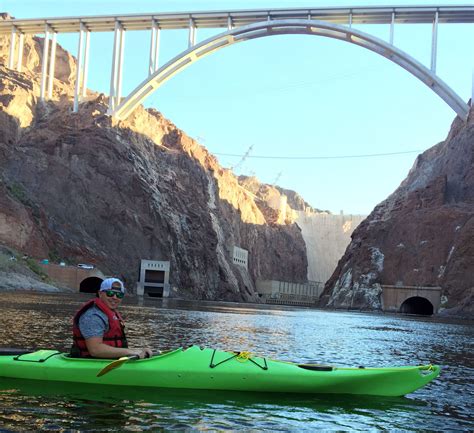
108 284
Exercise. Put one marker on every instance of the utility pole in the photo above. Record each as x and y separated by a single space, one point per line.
241 161
277 178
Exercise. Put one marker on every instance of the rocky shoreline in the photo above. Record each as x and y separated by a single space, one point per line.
12 281
21 273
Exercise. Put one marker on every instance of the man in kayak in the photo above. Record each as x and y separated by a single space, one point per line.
98 328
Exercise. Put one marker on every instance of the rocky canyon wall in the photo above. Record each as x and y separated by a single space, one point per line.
86 188
421 235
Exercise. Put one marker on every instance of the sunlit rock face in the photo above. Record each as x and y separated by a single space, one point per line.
86 188
421 235
65 64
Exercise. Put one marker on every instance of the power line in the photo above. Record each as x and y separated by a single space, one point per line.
290 86
371 155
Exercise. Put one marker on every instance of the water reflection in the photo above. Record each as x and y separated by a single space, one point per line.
338 338
121 408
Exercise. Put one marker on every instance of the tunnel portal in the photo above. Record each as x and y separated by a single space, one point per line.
417 305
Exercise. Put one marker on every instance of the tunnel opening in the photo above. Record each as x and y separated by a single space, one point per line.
417 305
90 285
154 292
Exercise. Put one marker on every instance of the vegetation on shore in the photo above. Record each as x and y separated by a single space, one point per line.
12 261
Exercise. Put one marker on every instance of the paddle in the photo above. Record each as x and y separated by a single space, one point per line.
116 363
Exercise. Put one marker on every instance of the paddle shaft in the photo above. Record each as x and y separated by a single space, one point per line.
119 362
134 357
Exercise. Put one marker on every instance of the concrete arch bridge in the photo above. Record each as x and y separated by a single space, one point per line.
240 25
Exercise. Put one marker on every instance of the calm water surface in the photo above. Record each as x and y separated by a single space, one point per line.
338 338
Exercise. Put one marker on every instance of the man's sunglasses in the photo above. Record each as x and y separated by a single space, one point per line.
111 293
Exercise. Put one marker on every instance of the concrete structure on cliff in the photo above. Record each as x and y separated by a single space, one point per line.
411 300
154 278
286 293
327 237
83 280
241 25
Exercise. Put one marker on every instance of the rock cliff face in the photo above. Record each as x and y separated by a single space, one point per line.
421 235
65 65
85 188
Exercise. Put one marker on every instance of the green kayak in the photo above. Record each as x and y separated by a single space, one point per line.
197 368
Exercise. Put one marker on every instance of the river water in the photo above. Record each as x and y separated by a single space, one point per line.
289 334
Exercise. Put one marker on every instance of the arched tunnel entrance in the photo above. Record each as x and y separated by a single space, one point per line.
90 285
417 305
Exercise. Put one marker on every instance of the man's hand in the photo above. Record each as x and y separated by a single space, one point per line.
98 349
145 353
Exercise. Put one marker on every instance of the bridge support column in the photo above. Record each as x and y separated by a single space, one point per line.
86 65
120 67
44 65
77 87
11 58
52 62
154 48
192 33
230 25
11 54
20 52
392 28
80 89
434 43
117 63
472 91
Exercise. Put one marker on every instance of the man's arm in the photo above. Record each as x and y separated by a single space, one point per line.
93 325
98 349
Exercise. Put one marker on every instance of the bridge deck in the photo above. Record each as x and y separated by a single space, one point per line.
219 19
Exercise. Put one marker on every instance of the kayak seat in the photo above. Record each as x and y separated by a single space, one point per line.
316 367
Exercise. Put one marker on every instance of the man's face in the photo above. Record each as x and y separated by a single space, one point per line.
110 297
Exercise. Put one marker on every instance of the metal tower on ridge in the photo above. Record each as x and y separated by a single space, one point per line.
241 25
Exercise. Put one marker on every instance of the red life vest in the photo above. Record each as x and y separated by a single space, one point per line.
115 336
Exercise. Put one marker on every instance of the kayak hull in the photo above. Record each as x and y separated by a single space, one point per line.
196 368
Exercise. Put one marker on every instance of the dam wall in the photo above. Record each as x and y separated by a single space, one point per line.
327 237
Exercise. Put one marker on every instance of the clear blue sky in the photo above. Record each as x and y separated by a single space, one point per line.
293 96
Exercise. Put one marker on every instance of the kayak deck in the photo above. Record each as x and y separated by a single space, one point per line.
196 368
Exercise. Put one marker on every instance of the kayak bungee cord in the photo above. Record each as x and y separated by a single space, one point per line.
241 357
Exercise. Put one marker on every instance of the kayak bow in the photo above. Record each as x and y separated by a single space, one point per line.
196 368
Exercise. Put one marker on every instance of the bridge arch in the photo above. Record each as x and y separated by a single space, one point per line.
291 26
417 305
